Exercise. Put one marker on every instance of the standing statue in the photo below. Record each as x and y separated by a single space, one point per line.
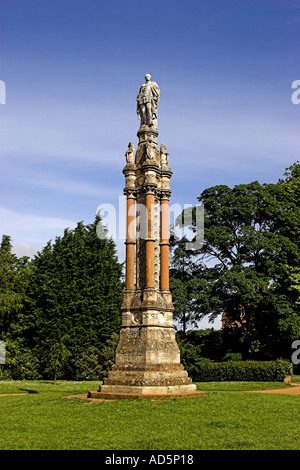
129 154
150 149
164 156
147 102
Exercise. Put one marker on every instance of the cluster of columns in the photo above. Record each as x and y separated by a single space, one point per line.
149 241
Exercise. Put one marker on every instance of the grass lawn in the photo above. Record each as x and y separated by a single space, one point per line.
228 418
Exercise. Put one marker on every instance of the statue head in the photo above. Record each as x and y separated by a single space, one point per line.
147 77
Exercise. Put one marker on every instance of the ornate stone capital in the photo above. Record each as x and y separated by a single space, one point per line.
130 193
164 193
149 189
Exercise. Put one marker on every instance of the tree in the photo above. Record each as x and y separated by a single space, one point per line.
251 234
295 282
58 356
12 285
76 293
14 281
182 282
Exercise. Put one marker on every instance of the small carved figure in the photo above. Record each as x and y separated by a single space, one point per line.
150 150
147 102
129 154
164 156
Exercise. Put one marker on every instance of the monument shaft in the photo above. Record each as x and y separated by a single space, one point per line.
147 358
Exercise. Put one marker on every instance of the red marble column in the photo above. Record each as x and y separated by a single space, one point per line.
150 241
164 244
130 242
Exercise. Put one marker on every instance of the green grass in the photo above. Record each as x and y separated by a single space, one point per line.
228 418
239 386
46 386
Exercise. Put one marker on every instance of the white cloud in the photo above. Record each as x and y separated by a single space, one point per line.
60 184
29 233
43 130
239 139
23 249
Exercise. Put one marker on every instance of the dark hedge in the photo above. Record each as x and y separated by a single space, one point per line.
264 371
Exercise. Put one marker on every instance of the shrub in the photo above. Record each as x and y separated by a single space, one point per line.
107 355
233 356
86 365
265 371
20 364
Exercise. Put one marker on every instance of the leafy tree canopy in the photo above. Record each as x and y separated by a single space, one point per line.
71 302
246 265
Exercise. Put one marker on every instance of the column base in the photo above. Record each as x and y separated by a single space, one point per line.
147 381
116 392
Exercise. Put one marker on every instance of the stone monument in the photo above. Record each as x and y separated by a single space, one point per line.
147 361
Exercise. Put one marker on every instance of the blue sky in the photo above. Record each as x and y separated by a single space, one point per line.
72 70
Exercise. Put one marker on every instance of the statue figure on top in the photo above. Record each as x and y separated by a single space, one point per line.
147 102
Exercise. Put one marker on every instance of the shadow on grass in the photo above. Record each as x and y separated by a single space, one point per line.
51 382
28 390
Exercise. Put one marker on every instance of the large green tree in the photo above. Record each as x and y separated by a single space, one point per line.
75 295
251 247
20 362
182 283
13 285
